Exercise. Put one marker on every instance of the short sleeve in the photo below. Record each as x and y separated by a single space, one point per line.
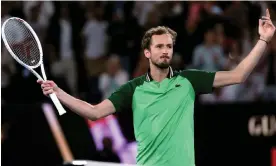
202 81
122 97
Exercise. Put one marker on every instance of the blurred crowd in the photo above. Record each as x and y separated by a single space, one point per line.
92 48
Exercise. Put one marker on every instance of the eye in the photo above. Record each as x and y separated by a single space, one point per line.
169 46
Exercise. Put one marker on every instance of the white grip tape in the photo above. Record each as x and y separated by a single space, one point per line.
59 107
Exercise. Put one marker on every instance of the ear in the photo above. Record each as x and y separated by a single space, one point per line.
147 53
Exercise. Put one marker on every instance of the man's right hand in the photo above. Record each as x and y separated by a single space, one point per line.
92 112
48 87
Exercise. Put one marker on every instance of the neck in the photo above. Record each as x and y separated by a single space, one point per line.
158 74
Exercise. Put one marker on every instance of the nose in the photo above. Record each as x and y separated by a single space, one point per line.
165 51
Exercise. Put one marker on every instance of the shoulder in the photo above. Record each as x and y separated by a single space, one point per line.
201 80
191 71
186 72
195 74
130 85
137 81
122 97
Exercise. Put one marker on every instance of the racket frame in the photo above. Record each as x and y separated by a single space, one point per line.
53 96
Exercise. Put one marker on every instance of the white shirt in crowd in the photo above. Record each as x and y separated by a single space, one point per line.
46 12
141 10
208 58
96 38
66 39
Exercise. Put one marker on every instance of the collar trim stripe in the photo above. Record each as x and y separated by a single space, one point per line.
170 75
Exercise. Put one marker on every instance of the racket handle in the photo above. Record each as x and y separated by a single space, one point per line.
58 105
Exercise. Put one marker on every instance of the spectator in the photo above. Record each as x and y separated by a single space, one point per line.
208 55
33 20
65 65
141 10
113 78
220 35
45 10
95 39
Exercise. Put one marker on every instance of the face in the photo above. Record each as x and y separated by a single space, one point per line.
210 36
161 50
113 65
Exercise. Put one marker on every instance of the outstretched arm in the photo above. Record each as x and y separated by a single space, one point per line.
246 66
118 101
82 108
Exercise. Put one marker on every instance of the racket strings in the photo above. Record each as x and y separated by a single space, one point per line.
22 42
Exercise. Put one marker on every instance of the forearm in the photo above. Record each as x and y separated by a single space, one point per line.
243 70
247 65
78 106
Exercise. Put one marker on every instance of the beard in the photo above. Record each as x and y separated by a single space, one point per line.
162 65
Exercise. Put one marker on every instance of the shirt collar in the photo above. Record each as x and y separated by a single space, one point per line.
149 78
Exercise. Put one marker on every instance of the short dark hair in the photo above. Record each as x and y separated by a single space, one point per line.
160 30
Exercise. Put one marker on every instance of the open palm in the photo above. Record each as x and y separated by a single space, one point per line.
266 27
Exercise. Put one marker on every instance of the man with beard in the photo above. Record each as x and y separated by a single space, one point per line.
162 100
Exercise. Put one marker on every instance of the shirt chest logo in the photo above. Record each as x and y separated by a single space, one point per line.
177 85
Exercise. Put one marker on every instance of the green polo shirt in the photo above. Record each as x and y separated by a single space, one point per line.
163 115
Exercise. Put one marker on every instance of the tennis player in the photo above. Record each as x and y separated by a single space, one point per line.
162 100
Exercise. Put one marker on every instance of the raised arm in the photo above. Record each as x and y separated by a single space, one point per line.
82 108
246 66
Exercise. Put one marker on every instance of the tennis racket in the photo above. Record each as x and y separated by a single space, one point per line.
24 46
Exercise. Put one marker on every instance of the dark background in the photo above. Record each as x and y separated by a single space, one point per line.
221 136
221 125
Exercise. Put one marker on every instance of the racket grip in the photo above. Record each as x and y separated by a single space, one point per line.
57 103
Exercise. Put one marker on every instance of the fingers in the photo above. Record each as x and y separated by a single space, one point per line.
47 89
265 18
265 21
260 22
39 81
43 86
46 82
48 92
46 86
268 24
267 13
51 83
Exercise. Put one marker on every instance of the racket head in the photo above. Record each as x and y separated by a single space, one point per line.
22 42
